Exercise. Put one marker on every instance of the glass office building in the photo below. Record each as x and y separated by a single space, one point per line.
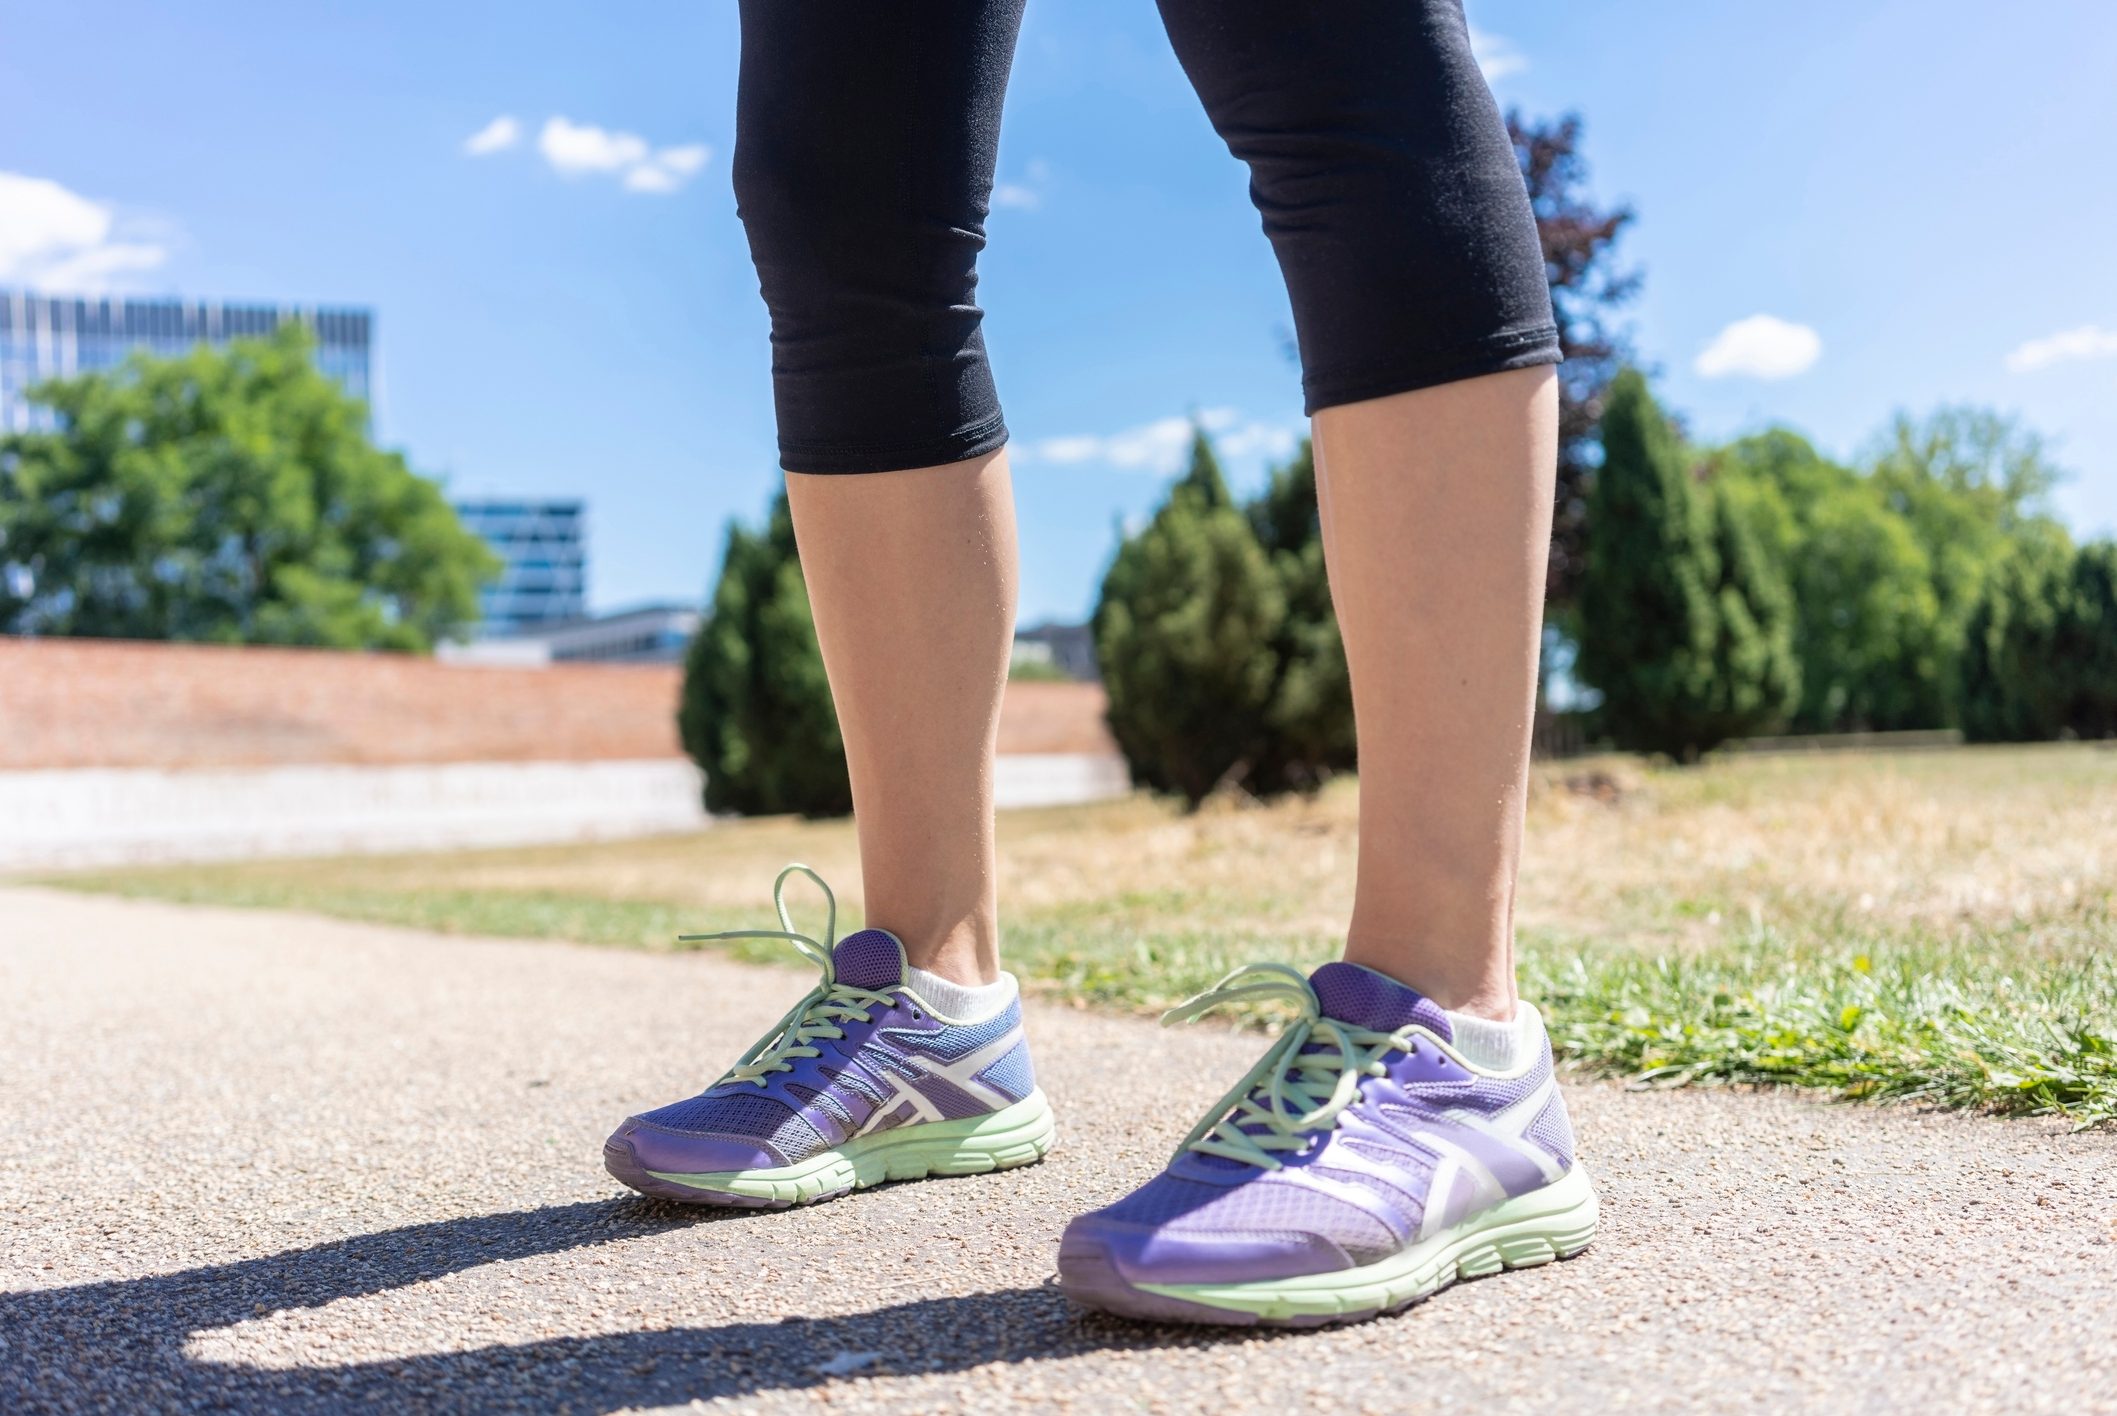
543 549
55 336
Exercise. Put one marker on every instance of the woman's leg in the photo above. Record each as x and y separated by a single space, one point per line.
1409 1128
1390 192
912 578
866 138
1436 521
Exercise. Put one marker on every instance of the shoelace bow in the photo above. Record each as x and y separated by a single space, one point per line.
819 1014
1290 1093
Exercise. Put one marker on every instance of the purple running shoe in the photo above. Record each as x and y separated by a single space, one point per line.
1361 1165
861 1082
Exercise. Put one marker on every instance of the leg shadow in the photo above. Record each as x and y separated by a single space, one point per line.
120 1345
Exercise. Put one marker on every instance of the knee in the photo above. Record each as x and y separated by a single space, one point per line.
1407 244
784 199
878 358
843 251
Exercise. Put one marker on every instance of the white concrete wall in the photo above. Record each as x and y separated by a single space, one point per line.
1059 778
91 817
55 820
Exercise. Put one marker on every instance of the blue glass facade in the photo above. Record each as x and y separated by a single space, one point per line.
54 336
543 549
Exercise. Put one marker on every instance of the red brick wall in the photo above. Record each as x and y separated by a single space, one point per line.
106 703
1054 717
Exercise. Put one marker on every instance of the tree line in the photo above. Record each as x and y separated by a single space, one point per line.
1724 591
1759 586
234 495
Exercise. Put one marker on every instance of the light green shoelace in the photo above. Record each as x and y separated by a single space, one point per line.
819 1014
1286 1097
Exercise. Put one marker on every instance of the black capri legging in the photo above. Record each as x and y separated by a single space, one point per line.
866 134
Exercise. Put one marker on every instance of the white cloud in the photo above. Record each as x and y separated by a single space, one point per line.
1760 347
1495 55
1160 447
576 149
1156 447
583 149
1259 440
668 169
2086 342
497 136
1027 194
657 181
685 161
59 240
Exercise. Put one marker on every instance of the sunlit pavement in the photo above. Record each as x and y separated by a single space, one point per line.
266 1161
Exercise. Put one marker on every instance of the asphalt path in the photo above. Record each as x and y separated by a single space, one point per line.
252 1161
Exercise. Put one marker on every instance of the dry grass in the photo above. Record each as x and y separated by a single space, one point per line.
1681 921
1994 838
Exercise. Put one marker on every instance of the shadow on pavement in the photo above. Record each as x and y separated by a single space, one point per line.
120 1345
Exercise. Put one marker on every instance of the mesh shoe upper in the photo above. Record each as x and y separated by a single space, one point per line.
1422 1147
896 1063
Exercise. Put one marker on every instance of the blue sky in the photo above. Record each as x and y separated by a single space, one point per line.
1915 195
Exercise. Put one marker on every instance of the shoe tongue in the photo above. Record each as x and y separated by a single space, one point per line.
1366 999
870 959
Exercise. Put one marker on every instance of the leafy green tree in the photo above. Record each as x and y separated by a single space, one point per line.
1185 630
1886 563
1648 626
1870 623
230 496
1309 725
1972 484
1775 479
756 713
2040 658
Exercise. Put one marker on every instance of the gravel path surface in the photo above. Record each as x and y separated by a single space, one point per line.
254 1161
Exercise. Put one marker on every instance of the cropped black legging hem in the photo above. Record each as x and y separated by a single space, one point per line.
1494 354
866 141
986 435
1500 353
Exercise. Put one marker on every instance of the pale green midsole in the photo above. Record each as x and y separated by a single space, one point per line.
1554 1222
1013 1135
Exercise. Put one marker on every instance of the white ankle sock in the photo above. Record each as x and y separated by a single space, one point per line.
1498 1047
960 1002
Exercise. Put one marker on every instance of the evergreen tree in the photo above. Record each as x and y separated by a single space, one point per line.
2089 647
1756 674
1589 291
1185 630
2040 659
1649 633
1309 725
756 712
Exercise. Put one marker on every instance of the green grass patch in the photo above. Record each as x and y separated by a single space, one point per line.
1947 1029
